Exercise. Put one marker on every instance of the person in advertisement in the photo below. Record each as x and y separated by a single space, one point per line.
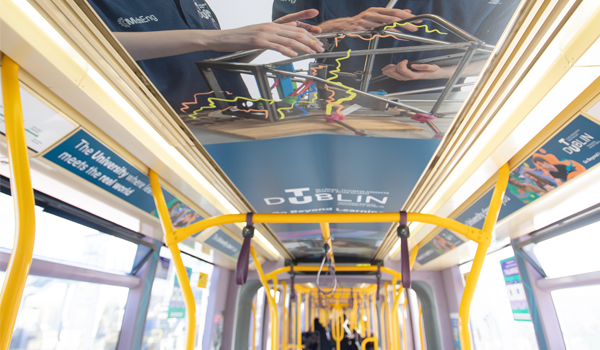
166 38
484 19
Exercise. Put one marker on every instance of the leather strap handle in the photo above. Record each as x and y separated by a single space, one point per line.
241 269
404 233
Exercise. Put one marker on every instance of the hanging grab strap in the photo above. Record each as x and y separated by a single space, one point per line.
404 233
241 270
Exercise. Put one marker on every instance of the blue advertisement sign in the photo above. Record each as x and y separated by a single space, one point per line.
569 153
86 157
515 290
326 174
225 244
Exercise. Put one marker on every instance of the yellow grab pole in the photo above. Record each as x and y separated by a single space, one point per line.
326 233
270 299
373 340
275 325
253 326
484 240
374 315
24 202
306 316
286 325
421 325
337 326
185 232
404 321
299 321
313 314
353 315
180 271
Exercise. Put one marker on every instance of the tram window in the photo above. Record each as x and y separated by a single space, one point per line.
68 241
258 317
64 314
165 323
571 253
492 323
578 313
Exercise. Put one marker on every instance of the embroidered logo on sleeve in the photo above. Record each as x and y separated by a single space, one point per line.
128 22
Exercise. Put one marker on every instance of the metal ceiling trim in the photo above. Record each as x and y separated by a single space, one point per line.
535 20
79 24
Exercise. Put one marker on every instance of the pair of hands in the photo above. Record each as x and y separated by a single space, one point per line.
288 35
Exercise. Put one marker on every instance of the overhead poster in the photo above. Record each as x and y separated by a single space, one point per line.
572 151
86 157
336 133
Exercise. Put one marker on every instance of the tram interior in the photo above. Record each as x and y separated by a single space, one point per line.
299 174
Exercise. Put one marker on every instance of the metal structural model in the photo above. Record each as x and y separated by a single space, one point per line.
468 47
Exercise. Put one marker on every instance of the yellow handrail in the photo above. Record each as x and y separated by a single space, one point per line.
286 326
253 326
306 314
482 237
373 340
484 241
270 299
185 232
337 326
22 193
299 317
184 281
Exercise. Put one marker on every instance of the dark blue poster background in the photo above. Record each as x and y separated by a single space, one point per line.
572 151
88 158
326 173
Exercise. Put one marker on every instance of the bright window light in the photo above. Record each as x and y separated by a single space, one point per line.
116 96
572 253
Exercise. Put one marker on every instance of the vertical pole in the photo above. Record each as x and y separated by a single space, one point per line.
286 328
299 321
488 227
180 271
270 299
253 347
413 311
24 203
306 312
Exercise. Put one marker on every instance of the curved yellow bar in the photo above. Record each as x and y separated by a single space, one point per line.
365 341
22 193
182 277
270 300
488 227
185 232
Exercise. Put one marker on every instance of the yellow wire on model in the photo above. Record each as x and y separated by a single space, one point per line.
24 203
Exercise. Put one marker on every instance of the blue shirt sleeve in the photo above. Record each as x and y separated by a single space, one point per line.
285 7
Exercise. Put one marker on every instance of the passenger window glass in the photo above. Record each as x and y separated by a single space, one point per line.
65 240
572 253
258 316
493 326
63 314
578 313
166 322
